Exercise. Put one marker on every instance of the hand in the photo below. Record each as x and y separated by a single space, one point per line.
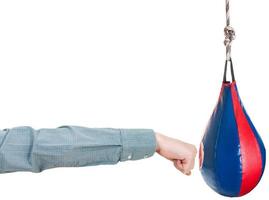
180 153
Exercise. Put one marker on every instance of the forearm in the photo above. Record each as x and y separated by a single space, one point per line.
26 149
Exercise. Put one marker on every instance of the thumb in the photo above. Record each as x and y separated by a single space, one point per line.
183 166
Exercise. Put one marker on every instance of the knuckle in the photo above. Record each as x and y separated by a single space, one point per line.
192 151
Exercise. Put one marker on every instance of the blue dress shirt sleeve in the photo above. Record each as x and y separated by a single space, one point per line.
25 149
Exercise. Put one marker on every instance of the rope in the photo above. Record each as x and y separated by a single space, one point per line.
228 32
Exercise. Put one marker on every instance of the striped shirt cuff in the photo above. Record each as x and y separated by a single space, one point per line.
137 144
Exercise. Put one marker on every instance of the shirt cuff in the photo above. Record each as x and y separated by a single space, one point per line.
137 144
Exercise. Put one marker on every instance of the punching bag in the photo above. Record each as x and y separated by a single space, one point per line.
232 154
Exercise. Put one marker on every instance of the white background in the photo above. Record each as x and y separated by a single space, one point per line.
126 64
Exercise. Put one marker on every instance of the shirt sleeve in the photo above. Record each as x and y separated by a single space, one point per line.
25 149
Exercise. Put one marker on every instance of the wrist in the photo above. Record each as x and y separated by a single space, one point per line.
158 141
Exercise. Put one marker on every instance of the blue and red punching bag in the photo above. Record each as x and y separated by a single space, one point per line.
232 154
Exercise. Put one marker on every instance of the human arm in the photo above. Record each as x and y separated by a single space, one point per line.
26 149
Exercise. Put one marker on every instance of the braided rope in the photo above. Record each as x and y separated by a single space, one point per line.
228 32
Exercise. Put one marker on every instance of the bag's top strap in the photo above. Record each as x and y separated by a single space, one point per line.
225 71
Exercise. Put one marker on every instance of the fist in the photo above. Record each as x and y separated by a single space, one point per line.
180 153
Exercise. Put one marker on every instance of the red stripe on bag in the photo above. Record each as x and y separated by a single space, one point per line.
249 148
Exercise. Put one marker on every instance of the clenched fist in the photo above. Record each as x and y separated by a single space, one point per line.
180 153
